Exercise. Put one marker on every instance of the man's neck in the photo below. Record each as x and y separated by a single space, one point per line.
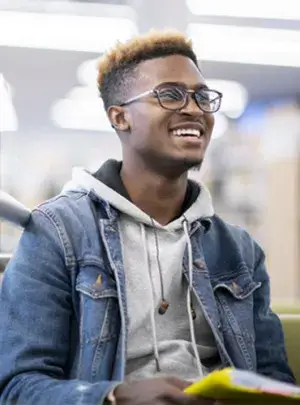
158 196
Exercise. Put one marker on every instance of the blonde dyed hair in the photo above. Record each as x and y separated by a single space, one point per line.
117 67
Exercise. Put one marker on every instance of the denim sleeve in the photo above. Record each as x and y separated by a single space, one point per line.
270 348
35 310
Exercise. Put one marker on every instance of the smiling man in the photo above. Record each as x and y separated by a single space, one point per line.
127 286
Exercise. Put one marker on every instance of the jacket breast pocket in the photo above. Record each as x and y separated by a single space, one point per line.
99 309
234 296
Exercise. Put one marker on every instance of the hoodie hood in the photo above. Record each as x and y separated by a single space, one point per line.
201 207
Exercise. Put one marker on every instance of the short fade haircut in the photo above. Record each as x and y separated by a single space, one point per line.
117 68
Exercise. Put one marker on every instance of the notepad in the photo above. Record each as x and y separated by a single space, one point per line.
232 383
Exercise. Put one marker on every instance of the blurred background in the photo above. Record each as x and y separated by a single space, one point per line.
51 117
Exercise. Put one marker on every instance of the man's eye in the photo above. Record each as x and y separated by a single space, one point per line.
203 96
170 94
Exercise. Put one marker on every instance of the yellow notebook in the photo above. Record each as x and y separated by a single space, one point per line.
243 385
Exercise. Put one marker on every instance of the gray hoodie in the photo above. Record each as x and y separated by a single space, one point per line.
179 342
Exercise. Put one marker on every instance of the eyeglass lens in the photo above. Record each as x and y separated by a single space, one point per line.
175 98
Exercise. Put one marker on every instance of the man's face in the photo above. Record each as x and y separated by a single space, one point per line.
157 135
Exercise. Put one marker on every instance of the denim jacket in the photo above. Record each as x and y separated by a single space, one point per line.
63 317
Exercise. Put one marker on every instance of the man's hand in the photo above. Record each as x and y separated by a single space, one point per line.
157 391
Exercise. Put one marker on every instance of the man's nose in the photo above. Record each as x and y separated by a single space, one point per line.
191 106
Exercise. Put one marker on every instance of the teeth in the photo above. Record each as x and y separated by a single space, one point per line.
187 131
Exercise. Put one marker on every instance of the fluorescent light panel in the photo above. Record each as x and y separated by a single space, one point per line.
63 32
81 114
265 9
229 43
235 96
221 125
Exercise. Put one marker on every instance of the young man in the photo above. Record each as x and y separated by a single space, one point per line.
127 286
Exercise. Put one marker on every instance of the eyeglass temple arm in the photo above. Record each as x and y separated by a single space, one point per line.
139 96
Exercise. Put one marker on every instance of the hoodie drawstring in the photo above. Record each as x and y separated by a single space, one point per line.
188 297
152 313
164 304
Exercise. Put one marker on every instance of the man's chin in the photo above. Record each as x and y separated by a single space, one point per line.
176 166
181 166
192 163
185 164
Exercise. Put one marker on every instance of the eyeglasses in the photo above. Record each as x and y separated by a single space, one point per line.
174 97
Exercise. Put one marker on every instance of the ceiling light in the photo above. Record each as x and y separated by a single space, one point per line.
79 93
235 96
282 10
63 32
82 109
236 44
221 126
8 116
80 114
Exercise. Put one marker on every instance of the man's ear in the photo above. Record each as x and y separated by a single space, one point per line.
118 118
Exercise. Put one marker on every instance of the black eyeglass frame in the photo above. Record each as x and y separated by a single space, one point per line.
156 93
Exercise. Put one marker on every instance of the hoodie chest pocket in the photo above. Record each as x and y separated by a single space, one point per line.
234 296
99 309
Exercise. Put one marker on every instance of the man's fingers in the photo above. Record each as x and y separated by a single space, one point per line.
178 383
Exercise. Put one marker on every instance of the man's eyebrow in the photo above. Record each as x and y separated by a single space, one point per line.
201 86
